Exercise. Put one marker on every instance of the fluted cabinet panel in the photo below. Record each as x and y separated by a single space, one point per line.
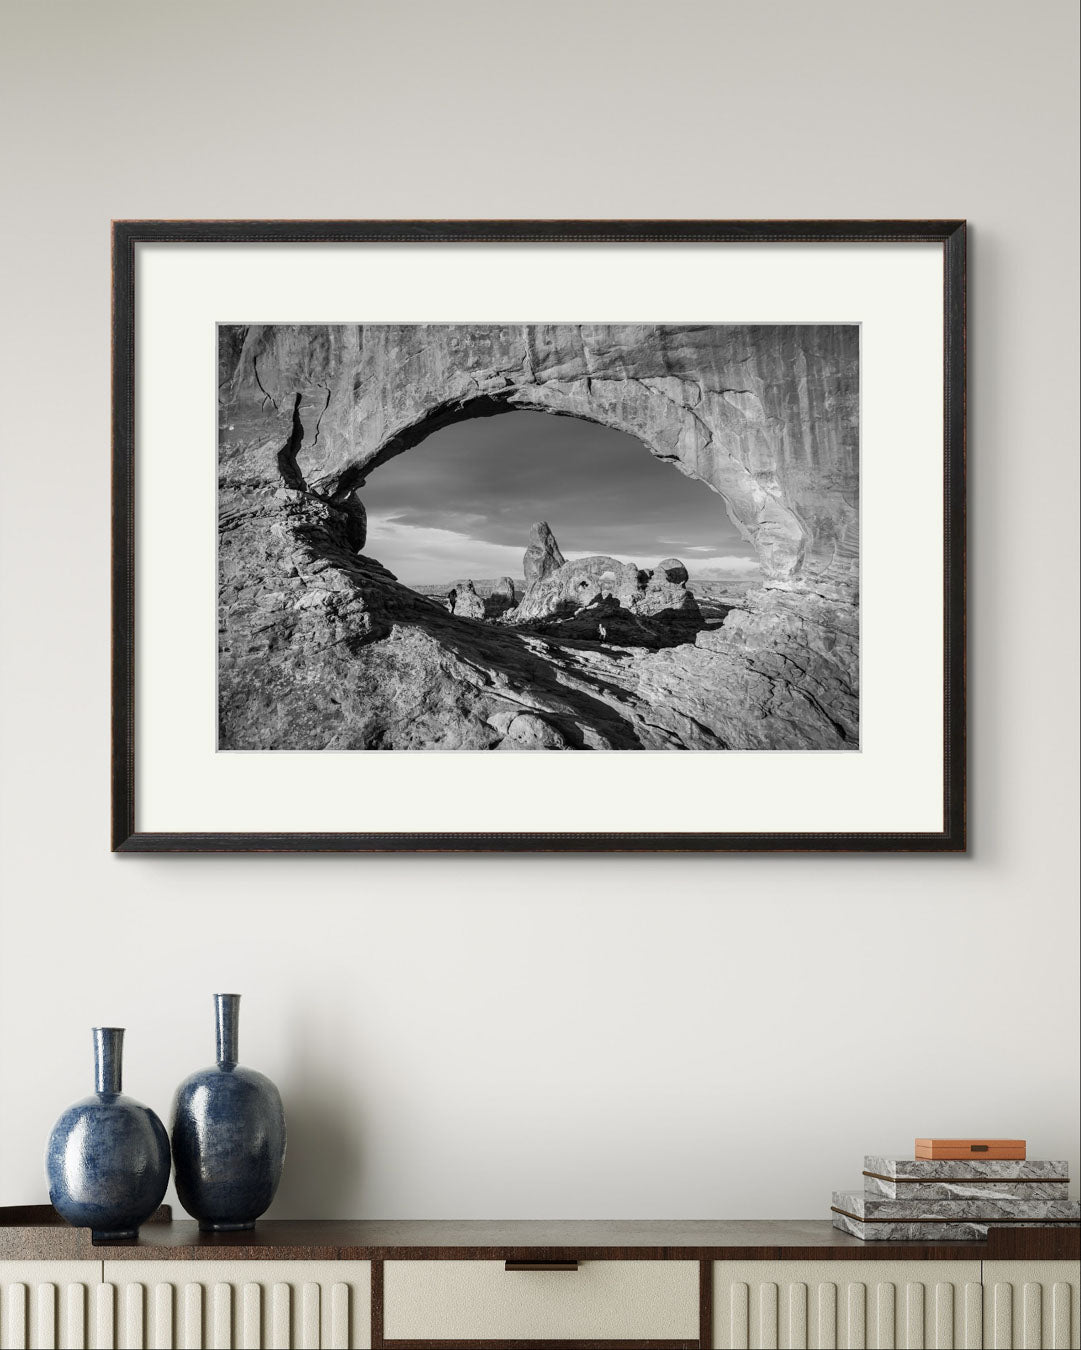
131 1299
162 1328
250 1325
46 1305
847 1305
1031 1305
241 1305
103 1331
190 1311
797 1313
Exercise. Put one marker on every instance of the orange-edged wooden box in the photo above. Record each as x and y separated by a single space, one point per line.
970 1148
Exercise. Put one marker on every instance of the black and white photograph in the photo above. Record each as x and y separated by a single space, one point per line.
658 550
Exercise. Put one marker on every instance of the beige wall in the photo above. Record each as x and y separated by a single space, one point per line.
548 1036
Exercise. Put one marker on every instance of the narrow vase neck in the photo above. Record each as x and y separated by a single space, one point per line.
108 1059
227 1009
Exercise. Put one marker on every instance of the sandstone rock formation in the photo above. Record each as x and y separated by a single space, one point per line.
542 555
670 570
321 648
604 620
767 416
467 603
500 598
606 599
672 607
569 586
527 731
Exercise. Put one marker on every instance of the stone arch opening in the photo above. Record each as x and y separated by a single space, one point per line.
598 487
766 416
675 439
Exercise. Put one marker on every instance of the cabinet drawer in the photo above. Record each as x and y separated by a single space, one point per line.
459 1302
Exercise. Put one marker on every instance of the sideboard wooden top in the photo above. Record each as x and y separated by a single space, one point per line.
35 1232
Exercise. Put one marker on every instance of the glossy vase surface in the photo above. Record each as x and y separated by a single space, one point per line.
228 1135
107 1159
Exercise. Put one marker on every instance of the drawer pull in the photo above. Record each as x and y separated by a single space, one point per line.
540 1265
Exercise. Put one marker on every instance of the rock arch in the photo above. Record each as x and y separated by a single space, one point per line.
765 417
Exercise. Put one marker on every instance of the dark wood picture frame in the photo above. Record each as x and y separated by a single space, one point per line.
127 235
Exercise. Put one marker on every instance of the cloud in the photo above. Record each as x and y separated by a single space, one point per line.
461 503
428 555
724 568
424 554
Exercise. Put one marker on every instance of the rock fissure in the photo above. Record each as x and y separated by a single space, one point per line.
322 414
288 467
267 398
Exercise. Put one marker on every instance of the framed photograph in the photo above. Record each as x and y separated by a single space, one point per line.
703 591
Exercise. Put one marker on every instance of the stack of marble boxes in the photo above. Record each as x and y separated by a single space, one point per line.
908 1199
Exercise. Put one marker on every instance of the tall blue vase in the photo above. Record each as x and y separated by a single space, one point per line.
228 1135
107 1159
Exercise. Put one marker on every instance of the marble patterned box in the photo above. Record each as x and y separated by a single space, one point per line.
937 1168
920 1232
871 1217
964 1190
910 1178
910 1232
989 1209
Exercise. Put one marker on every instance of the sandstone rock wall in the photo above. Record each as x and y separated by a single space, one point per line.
765 416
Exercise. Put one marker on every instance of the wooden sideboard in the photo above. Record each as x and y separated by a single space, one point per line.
398 1285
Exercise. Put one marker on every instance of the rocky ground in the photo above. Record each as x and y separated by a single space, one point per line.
322 649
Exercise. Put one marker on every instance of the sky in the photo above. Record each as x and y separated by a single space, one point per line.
460 503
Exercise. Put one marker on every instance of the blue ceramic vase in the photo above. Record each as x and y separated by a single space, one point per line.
228 1135
107 1160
